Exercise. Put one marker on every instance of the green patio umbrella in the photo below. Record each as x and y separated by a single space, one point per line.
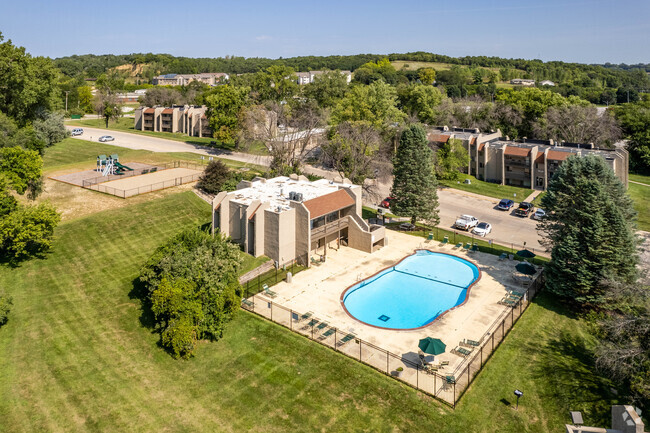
526 268
526 254
432 346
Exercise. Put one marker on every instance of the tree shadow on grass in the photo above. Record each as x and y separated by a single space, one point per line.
567 367
139 291
547 301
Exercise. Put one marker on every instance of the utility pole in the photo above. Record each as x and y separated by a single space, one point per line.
66 99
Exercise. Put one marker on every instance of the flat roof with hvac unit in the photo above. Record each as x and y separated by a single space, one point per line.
291 218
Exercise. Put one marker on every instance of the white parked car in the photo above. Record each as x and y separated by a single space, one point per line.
539 214
105 138
466 222
77 131
482 228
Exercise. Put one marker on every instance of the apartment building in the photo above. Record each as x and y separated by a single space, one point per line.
209 78
529 163
522 82
287 218
308 77
186 119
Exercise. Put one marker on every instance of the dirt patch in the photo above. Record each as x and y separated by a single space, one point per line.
75 202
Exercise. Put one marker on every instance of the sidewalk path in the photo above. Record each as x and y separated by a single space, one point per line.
532 197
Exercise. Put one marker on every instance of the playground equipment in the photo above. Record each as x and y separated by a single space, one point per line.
111 165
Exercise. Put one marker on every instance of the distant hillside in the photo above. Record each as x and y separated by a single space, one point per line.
569 74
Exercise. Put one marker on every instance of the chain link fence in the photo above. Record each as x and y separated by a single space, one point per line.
96 183
447 387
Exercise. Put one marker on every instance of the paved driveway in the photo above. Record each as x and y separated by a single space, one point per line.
506 228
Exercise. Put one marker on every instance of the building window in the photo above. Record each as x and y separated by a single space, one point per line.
480 165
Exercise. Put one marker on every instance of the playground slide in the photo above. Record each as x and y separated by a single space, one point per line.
123 167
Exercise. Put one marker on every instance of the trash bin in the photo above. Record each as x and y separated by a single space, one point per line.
430 236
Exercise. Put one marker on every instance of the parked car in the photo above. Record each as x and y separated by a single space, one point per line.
105 138
524 209
466 222
539 214
482 228
505 204
386 202
77 131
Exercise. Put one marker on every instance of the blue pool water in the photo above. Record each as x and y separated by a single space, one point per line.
413 293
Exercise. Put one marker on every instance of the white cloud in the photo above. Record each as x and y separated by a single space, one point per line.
263 37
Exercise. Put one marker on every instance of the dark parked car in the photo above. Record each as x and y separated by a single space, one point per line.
386 202
524 209
505 204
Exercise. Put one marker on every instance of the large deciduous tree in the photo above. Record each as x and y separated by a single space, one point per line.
635 122
589 227
327 88
420 100
375 103
27 84
193 289
224 106
414 184
450 158
578 124
352 150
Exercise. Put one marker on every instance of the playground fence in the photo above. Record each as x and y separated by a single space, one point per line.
96 183
87 183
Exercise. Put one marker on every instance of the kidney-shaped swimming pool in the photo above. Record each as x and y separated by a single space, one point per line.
413 293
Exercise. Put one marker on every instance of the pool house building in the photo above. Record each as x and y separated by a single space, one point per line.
291 218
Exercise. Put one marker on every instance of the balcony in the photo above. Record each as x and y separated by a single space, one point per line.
517 162
331 227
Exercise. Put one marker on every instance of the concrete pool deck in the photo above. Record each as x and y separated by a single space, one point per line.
319 290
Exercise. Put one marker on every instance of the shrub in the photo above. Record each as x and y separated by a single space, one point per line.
214 177
193 288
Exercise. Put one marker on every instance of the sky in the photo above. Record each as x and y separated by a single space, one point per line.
584 31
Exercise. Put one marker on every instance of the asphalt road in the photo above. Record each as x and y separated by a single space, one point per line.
506 228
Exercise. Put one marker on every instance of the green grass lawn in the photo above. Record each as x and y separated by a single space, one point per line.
126 124
78 355
487 188
73 153
641 196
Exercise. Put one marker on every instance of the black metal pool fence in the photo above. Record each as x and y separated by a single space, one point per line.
446 386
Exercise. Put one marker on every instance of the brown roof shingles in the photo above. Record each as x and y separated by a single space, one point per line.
517 151
331 202
558 155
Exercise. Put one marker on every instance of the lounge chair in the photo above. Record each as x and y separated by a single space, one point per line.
268 291
153 170
458 245
503 256
445 240
450 379
461 351
315 262
475 247
472 343
327 333
305 316
346 339
508 302
247 303
145 171
311 323
467 246
443 363
322 326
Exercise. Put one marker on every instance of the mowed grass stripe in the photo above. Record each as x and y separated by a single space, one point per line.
75 356
79 313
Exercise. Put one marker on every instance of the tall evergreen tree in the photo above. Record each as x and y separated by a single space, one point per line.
590 227
415 184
